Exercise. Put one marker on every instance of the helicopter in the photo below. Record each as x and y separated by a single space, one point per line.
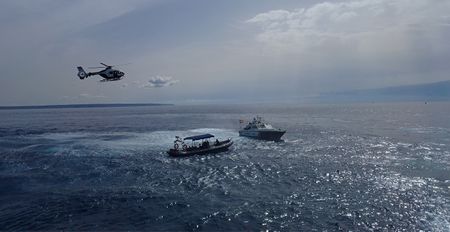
108 73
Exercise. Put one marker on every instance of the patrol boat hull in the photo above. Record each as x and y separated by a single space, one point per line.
269 135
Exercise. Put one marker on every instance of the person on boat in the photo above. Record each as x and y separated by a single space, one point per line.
204 144
217 142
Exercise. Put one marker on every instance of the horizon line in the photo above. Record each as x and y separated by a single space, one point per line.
81 105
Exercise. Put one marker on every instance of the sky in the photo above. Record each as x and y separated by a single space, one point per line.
230 51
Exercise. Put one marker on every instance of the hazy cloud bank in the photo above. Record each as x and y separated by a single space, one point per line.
358 44
343 20
84 96
160 81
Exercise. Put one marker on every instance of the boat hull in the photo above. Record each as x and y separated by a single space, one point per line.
224 146
272 135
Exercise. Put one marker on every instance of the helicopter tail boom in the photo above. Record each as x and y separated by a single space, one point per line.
81 73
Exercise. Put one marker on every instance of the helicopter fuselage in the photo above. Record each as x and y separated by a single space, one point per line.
108 74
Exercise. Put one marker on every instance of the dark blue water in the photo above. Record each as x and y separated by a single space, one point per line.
373 167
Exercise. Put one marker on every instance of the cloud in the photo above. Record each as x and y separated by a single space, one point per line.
348 21
366 41
160 81
352 17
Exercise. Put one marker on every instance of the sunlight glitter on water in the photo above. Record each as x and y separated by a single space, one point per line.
321 177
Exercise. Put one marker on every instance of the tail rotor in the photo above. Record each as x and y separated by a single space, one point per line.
81 73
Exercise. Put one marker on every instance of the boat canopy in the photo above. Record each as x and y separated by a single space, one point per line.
198 137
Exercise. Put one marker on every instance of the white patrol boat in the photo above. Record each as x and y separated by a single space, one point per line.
258 129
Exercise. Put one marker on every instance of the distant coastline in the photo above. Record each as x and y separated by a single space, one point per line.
79 106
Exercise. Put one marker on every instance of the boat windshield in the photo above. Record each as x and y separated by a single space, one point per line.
268 126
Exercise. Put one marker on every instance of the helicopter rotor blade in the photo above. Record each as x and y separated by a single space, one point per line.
114 65
95 67
108 66
121 64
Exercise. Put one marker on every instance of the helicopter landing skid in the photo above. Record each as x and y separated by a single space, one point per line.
108 80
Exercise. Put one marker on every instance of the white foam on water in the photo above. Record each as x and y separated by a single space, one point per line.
120 143
376 145
406 145
295 141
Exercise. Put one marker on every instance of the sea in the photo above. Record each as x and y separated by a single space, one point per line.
342 167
